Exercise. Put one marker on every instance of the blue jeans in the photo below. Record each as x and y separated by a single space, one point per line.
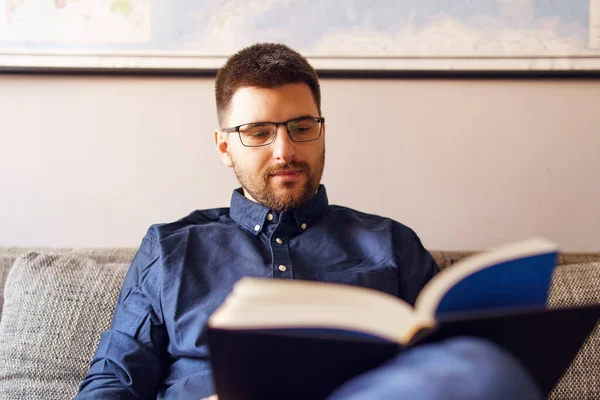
460 368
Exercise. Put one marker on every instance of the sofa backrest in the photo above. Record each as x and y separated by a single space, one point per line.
125 254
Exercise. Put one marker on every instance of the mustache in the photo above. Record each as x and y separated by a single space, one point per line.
282 167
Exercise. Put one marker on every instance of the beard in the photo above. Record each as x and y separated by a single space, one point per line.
288 195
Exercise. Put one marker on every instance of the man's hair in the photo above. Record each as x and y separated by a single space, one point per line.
263 65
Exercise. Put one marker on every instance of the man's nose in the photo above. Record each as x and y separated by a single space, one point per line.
284 148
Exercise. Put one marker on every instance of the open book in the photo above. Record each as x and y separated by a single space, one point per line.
309 337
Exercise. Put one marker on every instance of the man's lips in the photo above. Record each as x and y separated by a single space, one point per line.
286 172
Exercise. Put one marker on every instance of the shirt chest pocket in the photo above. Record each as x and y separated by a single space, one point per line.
385 280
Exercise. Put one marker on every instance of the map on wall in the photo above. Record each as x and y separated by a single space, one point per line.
353 34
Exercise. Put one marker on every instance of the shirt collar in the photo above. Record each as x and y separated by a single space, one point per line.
253 216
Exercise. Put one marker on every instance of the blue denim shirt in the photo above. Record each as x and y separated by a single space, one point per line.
156 346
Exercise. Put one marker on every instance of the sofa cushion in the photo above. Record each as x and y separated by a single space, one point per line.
5 264
8 255
55 308
576 285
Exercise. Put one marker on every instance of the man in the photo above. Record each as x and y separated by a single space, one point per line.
279 225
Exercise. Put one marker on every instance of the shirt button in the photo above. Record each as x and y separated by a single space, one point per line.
270 217
279 241
257 228
303 226
282 268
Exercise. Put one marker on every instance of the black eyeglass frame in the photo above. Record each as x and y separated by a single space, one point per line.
320 120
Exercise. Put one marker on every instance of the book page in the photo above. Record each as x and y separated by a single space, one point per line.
279 304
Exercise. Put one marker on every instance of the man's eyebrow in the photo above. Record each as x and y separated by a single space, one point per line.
291 119
302 116
258 123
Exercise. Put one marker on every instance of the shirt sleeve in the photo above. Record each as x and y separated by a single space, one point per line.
417 266
128 363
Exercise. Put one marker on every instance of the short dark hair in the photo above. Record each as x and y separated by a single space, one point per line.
263 65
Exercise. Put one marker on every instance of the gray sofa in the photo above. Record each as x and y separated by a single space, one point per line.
56 302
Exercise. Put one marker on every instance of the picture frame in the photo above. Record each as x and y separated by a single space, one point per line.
71 36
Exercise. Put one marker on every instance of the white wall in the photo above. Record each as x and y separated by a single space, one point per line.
93 161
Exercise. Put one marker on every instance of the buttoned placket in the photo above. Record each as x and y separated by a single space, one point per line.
278 233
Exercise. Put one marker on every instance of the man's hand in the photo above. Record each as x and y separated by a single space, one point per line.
213 397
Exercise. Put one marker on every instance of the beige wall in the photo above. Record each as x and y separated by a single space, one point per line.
93 161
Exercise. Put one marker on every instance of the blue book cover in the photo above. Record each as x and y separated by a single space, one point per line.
516 275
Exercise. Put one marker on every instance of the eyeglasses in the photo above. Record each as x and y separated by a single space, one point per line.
304 129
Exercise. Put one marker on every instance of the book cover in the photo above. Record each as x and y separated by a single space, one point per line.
300 340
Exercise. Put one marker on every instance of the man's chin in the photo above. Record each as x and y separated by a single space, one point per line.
286 187
288 196
286 193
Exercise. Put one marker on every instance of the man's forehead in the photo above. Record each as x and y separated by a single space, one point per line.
269 89
254 103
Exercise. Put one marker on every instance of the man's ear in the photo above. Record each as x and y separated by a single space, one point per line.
222 146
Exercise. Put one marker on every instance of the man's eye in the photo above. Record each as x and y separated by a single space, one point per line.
258 131
301 127
258 135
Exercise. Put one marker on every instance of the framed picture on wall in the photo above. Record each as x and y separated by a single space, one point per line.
370 35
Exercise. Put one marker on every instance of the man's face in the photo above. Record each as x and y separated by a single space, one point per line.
285 174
